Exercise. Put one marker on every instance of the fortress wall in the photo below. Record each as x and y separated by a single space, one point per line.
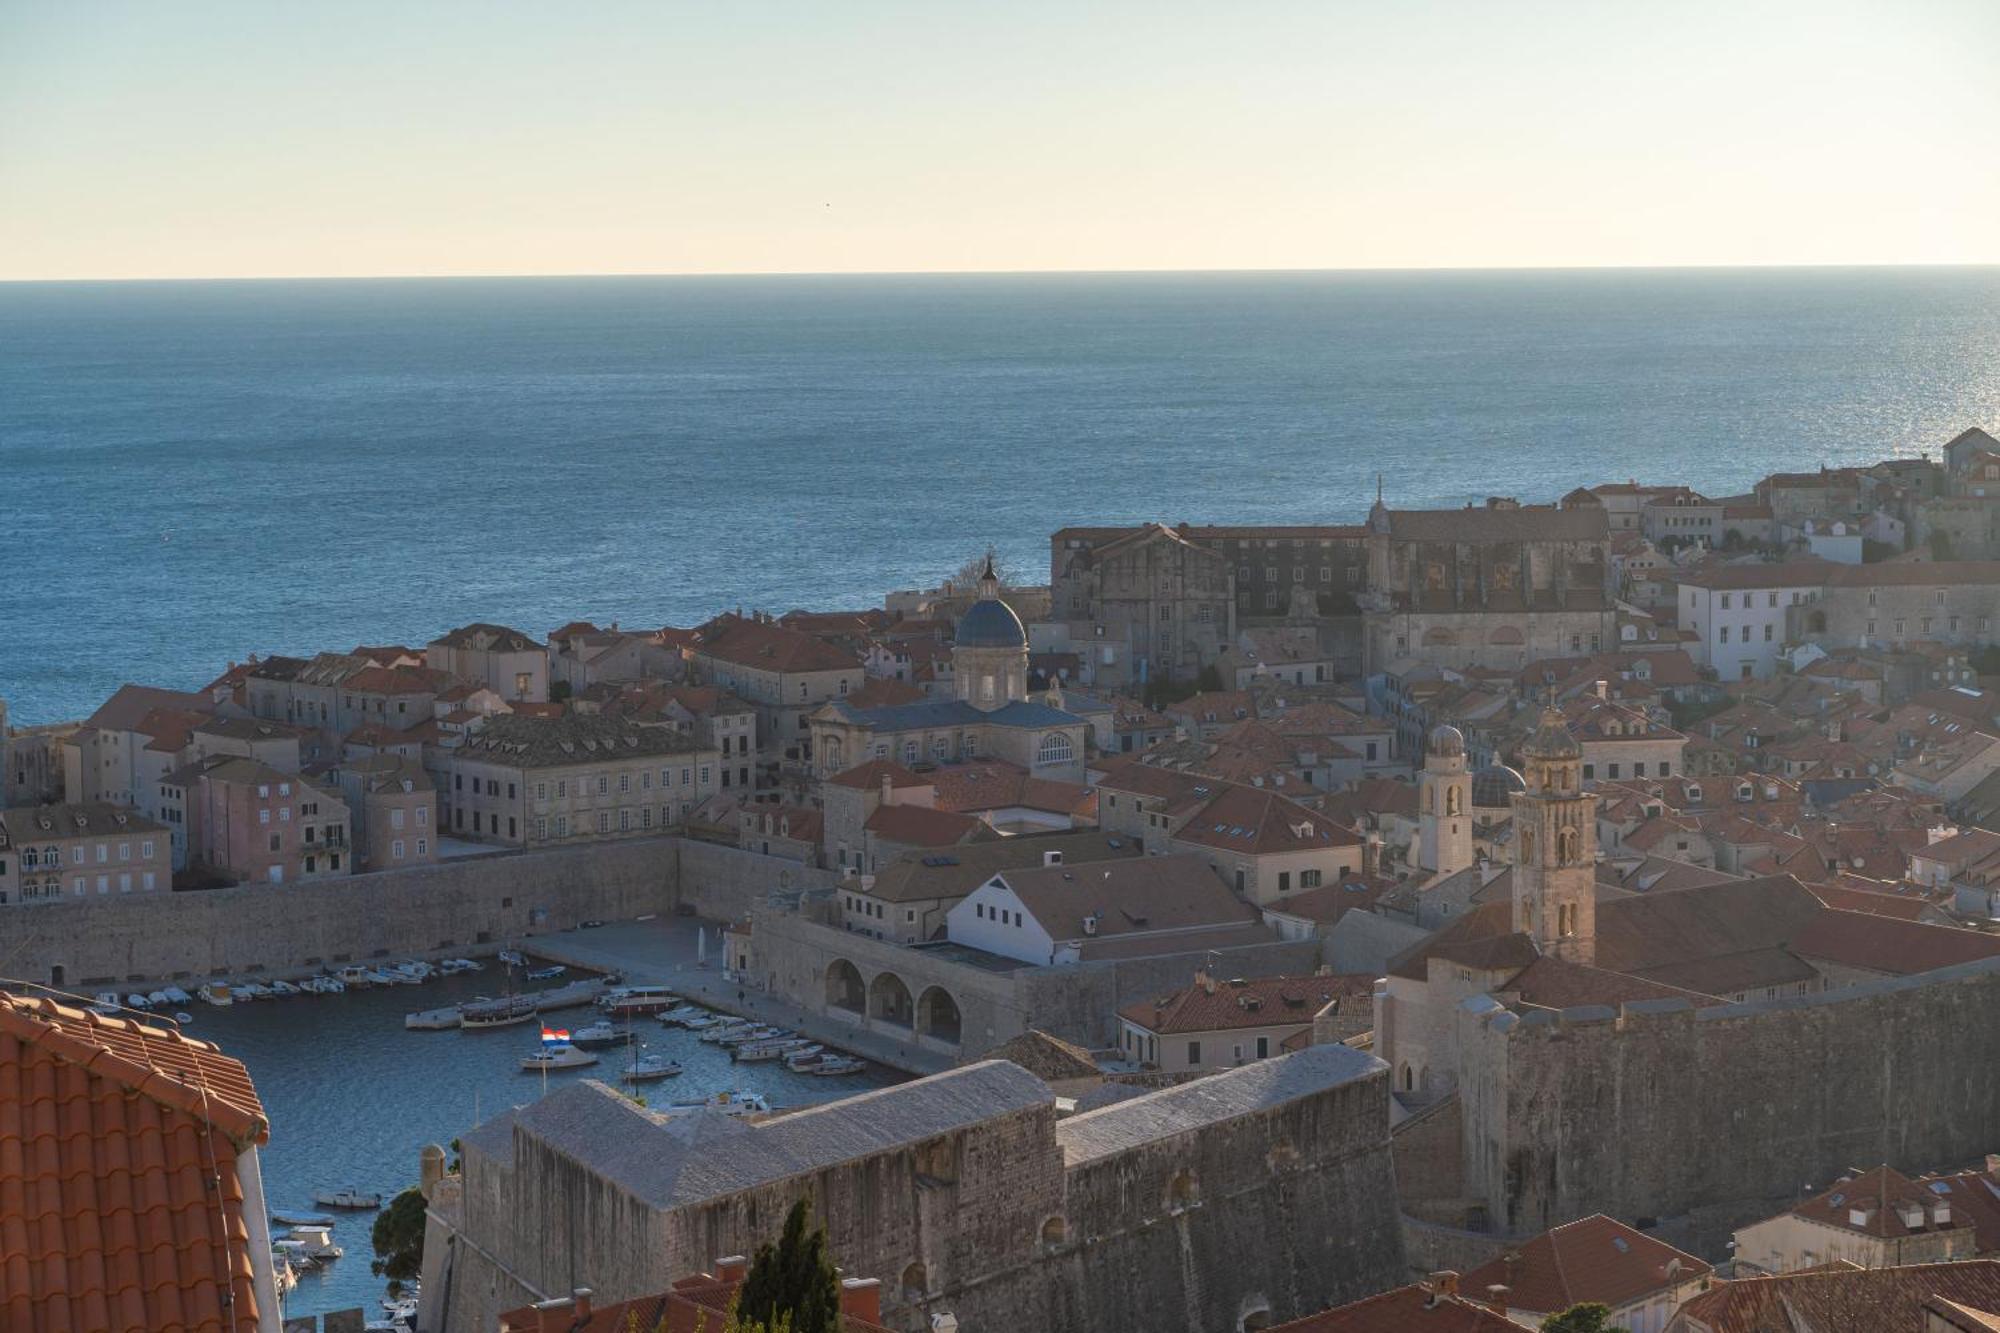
1657 1108
725 883
459 906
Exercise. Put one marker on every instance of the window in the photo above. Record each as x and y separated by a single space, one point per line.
275 842
1194 1053
1725 601
624 782
1723 634
396 849
1774 599
603 784
263 816
1284 881
604 821
562 787
704 775
146 849
1767 631
1309 879
395 819
562 826
423 816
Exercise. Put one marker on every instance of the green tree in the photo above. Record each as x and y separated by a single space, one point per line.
1590 1317
399 1237
794 1285
1209 680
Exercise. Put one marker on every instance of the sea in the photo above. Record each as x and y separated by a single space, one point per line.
192 472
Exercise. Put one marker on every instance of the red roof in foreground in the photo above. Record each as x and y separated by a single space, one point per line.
1881 1300
1591 1259
120 1204
693 1305
1412 1309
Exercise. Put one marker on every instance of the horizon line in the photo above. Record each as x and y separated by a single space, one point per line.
1017 272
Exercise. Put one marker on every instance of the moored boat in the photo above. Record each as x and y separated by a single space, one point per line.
347 1198
647 1068
683 1015
839 1064
215 992
302 1219
496 1013
638 1000
353 976
599 1034
175 995
548 973
774 1049
283 987
729 1103
138 1001
556 1055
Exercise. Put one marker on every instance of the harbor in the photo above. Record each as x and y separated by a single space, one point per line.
353 1092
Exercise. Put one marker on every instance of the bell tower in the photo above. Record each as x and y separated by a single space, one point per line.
1555 845
1444 805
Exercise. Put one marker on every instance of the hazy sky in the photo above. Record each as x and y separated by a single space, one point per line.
195 138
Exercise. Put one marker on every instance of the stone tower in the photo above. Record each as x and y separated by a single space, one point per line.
989 654
1555 846
1444 806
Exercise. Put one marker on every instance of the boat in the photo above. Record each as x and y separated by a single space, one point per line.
512 958
599 1034
735 1039
723 1033
347 1198
382 976
775 1049
215 992
497 1013
638 1000
353 975
646 1068
548 973
805 1058
314 1242
302 1219
283 987
253 990
183 1016
839 1064
108 998
556 1055
414 967
451 967
433 1020
704 1023
682 1016
729 1103
159 999
138 1001
175 995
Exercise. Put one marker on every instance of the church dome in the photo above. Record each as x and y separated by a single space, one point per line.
1447 740
1493 785
989 622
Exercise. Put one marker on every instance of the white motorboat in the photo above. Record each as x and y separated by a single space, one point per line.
638 1000
451 967
730 1033
683 1015
802 1060
253 990
646 1068
839 1064
705 1023
556 1055
599 1034
352 975
549 973
381 976
302 1219
108 998
761 1032
729 1103
347 1198
283 987
175 995
138 1001
767 1049
215 992
159 999
512 958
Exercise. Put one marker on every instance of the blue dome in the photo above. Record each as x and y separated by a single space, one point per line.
1492 786
990 623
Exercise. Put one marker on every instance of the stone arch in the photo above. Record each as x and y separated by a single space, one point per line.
1055 749
1055 1231
938 1014
1181 1190
1566 843
1256 1314
1506 636
1439 638
1409 1078
843 987
1453 800
889 1000
916 1282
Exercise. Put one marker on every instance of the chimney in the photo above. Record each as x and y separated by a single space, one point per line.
580 1305
861 1298
1051 858
1371 854
944 1323
1993 1164
1603 689
1443 1283
1206 982
888 790
733 1268
1496 1296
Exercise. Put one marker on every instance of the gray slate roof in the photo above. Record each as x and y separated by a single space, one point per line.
687 1160
1220 1097
954 713
556 742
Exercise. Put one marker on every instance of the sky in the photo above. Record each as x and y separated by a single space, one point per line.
210 139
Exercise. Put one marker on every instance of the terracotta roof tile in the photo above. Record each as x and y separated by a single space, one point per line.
120 1204
1412 1309
1259 821
1591 1259
921 826
868 776
1881 1300
1216 1005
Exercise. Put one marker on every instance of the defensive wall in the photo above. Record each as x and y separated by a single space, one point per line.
459 906
1250 1197
725 883
936 1000
1657 1108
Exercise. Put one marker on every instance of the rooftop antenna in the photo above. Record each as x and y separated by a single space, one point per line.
1378 488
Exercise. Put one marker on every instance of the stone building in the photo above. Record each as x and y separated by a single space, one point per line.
1444 807
1215 1023
1873 1219
786 674
114 756
1738 614
906 900
532 782
49 852
991 717
503 660
31 761
392 806
1495 586
964 1190
1892 605
258 825
1056 913
1143 604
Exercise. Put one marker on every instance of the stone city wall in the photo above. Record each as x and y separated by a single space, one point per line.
461 906
725 883
1730 1102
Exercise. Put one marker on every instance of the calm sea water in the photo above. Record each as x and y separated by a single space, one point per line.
353 1096
192 472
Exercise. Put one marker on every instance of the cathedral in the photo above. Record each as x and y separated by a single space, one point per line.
992 716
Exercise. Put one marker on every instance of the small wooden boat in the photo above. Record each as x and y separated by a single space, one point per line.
347 1198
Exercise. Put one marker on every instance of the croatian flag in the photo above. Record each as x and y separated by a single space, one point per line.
554 1036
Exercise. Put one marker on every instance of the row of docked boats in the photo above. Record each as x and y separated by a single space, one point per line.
506 1010
751 1042
223 992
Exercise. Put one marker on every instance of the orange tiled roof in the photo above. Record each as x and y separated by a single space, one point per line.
120 1204
1412 1309
1592 1259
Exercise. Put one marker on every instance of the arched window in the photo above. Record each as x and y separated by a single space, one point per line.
1181 1192
1452 800
1055 749
1566 846
915 1283
1566 920
1409 1079
1054 1232
986 688
1527 845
